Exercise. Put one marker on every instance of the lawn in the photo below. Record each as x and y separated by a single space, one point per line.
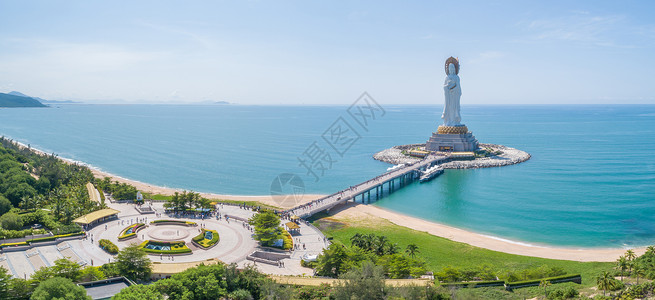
440 252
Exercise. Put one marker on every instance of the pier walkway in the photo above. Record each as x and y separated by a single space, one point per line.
377 187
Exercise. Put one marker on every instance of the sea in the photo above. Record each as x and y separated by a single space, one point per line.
590 181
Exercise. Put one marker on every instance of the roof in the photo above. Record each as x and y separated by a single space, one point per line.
462 154
292 225
96 215
105 289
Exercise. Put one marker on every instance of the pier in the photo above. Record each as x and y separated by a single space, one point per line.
372 189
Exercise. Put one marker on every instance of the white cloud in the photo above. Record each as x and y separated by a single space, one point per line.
580 27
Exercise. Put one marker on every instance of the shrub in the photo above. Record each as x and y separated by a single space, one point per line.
108 246
11 221
187 223
288 240
54 237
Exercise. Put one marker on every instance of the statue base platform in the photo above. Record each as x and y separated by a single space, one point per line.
452 138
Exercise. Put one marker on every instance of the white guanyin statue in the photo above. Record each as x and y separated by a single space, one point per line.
452 92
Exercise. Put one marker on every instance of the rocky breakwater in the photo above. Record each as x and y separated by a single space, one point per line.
501 156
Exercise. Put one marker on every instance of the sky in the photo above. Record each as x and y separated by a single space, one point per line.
329 52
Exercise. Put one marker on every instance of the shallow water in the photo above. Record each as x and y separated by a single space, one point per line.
590 181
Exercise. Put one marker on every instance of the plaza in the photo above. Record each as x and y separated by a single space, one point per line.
234 246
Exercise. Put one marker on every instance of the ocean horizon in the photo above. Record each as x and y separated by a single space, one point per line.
589 182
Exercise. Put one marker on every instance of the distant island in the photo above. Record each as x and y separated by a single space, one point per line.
13 100
44 101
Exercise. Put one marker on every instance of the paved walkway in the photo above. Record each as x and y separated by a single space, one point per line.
235 243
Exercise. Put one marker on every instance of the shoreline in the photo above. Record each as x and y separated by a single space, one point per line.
504 156
369 211
581 254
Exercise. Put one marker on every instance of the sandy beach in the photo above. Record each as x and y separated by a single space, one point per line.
283 202
361 213
370 213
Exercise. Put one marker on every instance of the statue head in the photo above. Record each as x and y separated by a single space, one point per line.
451 69
454 62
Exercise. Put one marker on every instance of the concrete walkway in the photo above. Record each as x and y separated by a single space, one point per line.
236 242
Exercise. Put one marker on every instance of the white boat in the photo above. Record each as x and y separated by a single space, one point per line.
431 173
395 167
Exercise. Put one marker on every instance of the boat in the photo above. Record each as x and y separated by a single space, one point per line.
431 173
395 167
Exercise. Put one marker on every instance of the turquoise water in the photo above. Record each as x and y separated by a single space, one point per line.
590 181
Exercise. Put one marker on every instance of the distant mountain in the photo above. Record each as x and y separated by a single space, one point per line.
15 93
19 94
56 101
14 100
222 102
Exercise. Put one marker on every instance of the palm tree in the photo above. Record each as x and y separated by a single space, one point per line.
605 281
630 256
381 245
357 240
622 264
650 249
411 250
637 270
391 249
545 284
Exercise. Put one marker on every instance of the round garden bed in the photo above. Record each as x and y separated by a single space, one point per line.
164 247
130 231
206 239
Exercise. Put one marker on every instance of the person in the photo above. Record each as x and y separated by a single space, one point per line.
452 93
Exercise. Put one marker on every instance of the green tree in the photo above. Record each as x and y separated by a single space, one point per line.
5 205
63 267
630 256
638 271
605 282
133 263
622 265
333 261
138 292
20 289
449 274
59 288
411 250
366 282
5 283
267 227
11 221
545 284
91 273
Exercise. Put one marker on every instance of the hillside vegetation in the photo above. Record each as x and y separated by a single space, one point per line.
7 100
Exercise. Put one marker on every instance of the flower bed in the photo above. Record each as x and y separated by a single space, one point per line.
206 239
108 246
161 247
130 231
288 240
173 222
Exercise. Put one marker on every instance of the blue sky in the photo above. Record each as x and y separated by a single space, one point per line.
328 52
